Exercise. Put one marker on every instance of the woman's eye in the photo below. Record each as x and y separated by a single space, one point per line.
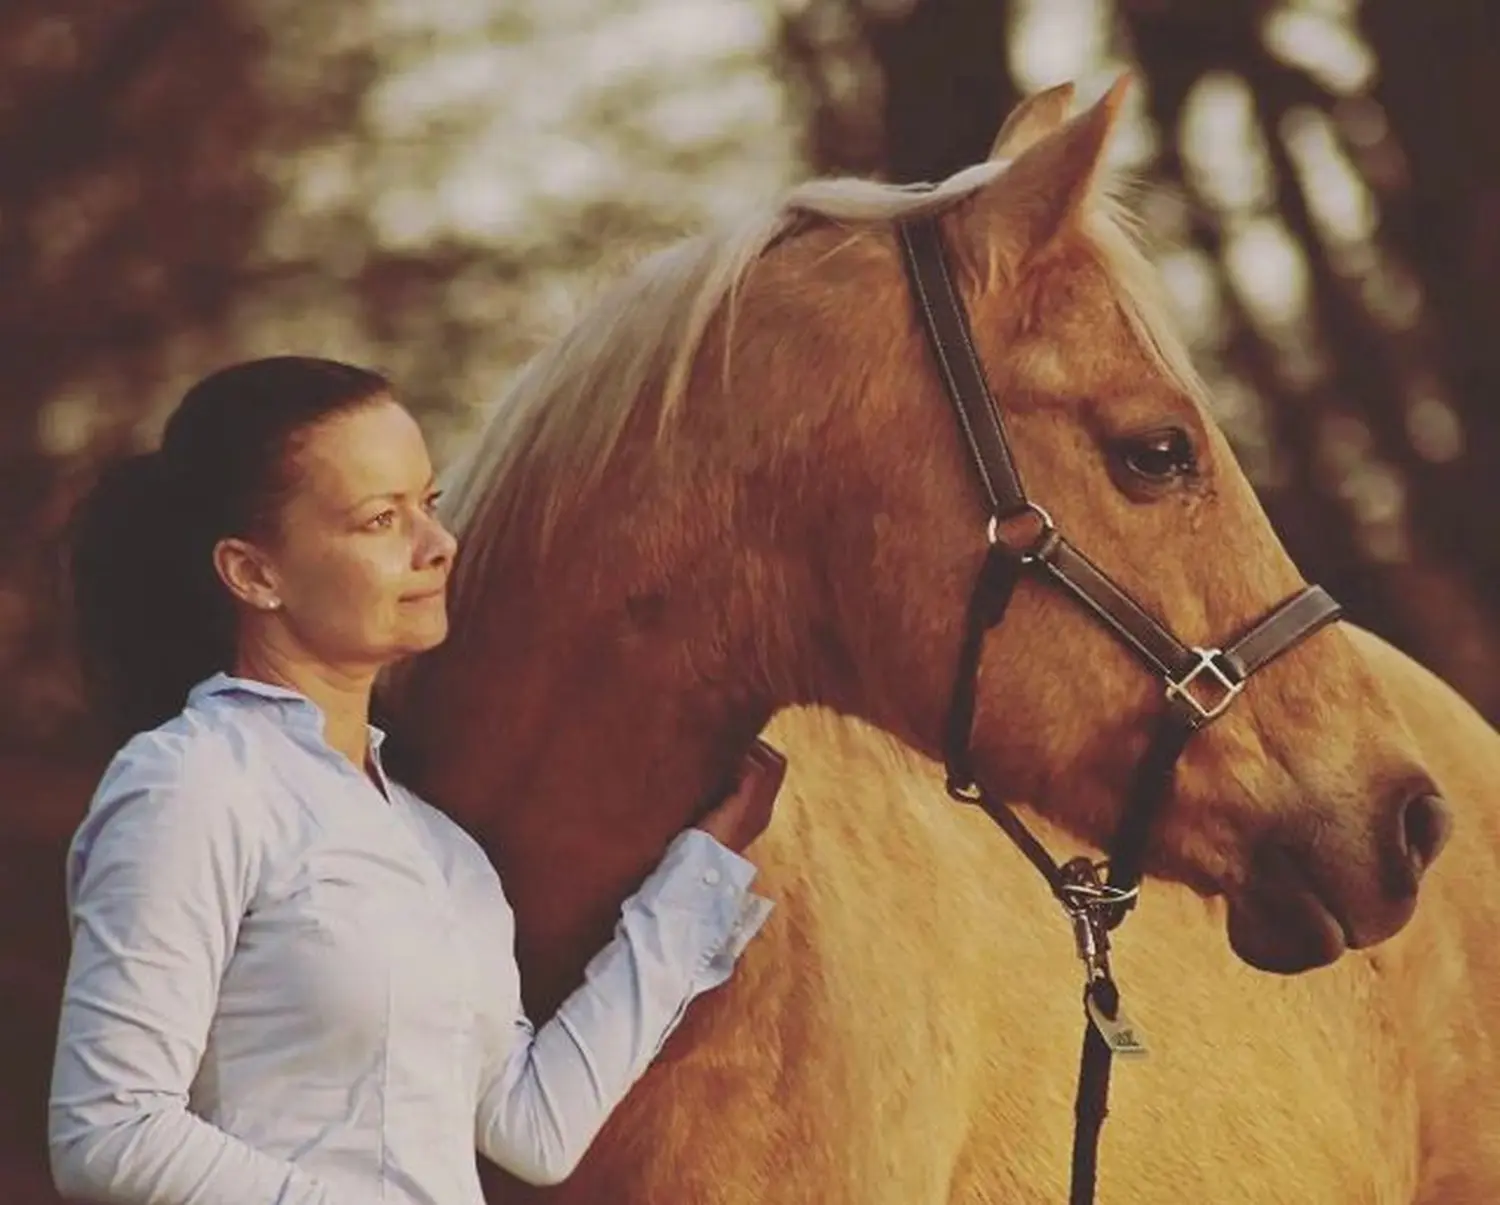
381 521
432 500
1161 457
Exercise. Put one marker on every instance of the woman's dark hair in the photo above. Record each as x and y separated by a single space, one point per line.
151 616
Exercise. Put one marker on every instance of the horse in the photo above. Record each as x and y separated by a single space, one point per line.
733 496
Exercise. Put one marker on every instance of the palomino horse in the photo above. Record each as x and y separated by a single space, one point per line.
735 488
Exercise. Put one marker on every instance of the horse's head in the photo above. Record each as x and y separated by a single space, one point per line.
1305 805
737 484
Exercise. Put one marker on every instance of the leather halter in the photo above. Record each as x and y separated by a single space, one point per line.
1200 683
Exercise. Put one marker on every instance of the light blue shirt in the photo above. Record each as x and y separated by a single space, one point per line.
287 988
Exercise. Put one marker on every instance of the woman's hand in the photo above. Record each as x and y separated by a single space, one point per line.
745 812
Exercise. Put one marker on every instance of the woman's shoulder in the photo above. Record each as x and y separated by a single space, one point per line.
191 748
194 768
170 795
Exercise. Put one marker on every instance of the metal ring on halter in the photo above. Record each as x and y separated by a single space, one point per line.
1083 889
1044 538
1081 897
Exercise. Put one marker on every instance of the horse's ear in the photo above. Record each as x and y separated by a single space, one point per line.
1047 185
1032 120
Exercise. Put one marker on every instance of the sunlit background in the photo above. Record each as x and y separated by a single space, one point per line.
436 186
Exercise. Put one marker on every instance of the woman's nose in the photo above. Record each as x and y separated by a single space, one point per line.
435 543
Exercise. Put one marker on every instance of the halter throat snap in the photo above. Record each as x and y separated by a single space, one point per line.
1199 684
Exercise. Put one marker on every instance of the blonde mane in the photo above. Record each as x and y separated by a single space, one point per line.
553 433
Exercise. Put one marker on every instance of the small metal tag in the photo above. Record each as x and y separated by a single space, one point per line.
1122 1037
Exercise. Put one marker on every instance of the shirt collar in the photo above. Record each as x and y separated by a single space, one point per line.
301 710
227 684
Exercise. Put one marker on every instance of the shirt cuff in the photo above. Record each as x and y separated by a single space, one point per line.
701 876
754 912
698 874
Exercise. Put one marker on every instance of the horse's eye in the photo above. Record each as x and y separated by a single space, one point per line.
1160 457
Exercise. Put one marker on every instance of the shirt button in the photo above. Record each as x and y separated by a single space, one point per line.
711 876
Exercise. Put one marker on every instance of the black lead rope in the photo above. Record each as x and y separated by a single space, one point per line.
1101 996
1091 1105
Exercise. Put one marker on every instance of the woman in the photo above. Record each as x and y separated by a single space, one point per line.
292 982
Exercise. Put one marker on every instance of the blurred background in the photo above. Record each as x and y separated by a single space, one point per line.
435 186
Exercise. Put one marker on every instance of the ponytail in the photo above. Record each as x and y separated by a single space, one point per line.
150 616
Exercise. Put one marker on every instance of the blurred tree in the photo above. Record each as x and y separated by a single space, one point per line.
128 206
1439 164
1364 412
908 90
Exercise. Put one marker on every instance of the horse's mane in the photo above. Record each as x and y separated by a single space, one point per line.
552 434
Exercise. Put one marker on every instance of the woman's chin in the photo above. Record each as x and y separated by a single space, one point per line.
420 636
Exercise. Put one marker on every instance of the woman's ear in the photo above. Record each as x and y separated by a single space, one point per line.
246 574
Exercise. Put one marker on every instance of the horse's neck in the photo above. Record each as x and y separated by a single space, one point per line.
574 761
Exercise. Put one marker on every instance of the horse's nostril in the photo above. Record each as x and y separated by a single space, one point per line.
1425 823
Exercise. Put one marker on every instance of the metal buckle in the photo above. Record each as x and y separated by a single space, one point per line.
1208 663
1040 545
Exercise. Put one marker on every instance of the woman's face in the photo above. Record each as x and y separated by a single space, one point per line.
359 564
